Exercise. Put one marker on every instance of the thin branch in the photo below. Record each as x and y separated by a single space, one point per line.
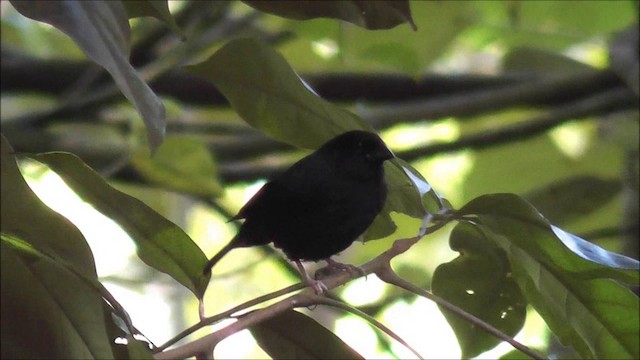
346 307
207 343
227 314
387 275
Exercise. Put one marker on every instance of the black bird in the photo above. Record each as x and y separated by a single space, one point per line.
320 205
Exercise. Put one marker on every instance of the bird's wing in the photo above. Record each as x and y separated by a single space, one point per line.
302 188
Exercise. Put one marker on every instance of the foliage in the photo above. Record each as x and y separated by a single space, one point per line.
520 196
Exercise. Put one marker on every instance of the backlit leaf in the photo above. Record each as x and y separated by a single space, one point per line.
160 243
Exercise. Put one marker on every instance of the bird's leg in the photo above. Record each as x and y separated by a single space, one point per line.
352 269
318 286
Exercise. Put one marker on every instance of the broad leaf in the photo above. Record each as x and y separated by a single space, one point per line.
264 90
138 350
181 163
268 94
564 277
370 14
597 317
42 300
515 218
479 281
292 335
101 30
160 243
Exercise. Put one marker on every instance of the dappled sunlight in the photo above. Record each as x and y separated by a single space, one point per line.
573 138
407 136
325 48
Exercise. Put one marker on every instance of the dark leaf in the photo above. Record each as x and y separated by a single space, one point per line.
370 14
292 335
41 299
138 349
479 281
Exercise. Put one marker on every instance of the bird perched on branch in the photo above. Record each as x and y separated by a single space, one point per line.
320 205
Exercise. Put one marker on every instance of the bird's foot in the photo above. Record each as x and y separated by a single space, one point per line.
318 286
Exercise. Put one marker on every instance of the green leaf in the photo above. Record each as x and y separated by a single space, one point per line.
138 350
41 300
570 199
181 163
160 243
292 335
153 8
516 354
565 278
377 14
597 317
515 218
101 30
264 90
479 281
267 93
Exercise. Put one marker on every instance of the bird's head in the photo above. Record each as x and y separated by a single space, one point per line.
358 154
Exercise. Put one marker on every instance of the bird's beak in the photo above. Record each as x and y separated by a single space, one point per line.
384 153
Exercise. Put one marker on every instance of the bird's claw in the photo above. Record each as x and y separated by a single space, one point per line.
318 286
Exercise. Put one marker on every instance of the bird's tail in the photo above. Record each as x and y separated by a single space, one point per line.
230 246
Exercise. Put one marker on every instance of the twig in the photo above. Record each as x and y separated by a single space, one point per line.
207 343
213 319
387 275
346 307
